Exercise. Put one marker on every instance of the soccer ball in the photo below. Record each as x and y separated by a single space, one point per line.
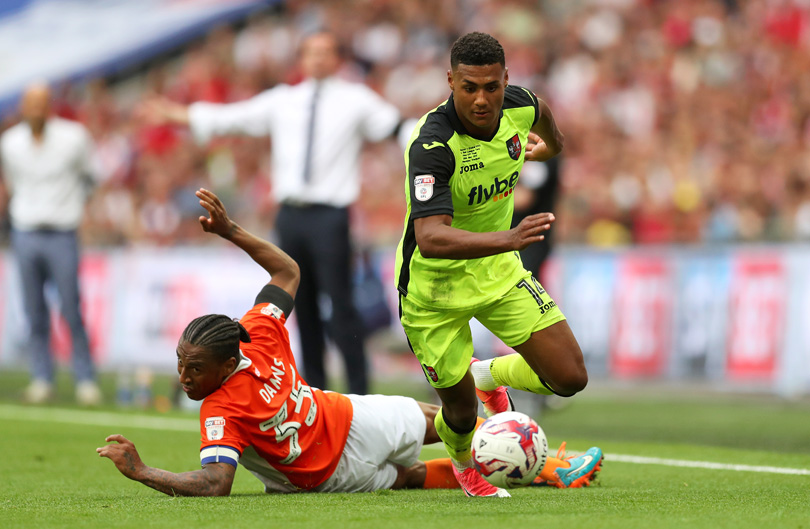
509 449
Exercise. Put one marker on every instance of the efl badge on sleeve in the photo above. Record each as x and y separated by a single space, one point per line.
272 310
423 187
514 147
215 428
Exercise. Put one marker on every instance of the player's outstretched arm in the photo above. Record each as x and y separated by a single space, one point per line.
160 110
214 479
282 268
437 239
545 139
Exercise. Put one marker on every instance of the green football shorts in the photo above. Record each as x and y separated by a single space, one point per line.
442 340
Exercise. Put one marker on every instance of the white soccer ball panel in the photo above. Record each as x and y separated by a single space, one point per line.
509 449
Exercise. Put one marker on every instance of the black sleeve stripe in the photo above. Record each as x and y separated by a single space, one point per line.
536 106
429 155
278 297
443 210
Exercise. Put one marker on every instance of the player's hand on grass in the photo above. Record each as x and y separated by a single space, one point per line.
123 455
218 222
537 150
531 229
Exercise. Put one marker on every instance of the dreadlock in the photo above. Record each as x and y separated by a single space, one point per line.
217 333
476 49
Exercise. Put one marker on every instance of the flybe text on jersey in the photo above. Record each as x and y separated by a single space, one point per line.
497 190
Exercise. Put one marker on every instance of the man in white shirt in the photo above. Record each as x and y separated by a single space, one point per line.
46 166
317 128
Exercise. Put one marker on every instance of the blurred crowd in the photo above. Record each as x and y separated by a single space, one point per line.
686 121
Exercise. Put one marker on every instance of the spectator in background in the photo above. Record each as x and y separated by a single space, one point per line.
537 192
46 164
317 128
663 101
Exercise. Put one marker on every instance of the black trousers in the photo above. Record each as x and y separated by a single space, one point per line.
317 237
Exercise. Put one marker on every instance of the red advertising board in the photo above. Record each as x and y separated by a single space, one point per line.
758 299
642 319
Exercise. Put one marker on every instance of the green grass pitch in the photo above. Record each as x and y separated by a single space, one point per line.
52 477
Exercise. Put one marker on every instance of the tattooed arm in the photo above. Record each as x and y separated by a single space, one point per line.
214 479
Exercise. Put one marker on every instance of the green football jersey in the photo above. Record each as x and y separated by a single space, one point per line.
451 173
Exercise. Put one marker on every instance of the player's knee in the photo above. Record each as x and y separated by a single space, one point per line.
571 383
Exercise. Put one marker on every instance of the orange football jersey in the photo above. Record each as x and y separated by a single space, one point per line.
266 416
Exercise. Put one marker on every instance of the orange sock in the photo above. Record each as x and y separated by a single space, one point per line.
552 464
439 474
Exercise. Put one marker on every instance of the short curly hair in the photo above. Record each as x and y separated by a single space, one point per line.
476 49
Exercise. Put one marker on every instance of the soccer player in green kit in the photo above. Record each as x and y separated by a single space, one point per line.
458 258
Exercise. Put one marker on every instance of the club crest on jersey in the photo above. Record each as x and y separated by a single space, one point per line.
431 373
423 186
215 428
514 147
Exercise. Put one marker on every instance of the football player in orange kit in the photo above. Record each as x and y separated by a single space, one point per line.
259 412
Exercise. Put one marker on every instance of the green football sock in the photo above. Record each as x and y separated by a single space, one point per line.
458 445
513 371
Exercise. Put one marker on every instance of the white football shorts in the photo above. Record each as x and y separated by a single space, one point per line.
386 431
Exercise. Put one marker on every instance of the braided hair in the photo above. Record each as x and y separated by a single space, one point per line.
218 334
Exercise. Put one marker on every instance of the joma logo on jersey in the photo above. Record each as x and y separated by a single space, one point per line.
471 167
498 190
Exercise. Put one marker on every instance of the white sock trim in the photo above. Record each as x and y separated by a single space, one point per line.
483 376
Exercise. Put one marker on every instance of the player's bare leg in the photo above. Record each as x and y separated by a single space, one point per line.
433 474
460 404
430 411
549 362
455 424
554 355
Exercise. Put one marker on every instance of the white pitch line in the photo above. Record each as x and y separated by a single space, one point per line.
703 464
149 422
97 418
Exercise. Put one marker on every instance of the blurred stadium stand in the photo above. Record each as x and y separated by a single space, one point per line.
72 40
688 136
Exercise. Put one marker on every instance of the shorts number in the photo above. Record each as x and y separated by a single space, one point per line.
535 290
285 429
